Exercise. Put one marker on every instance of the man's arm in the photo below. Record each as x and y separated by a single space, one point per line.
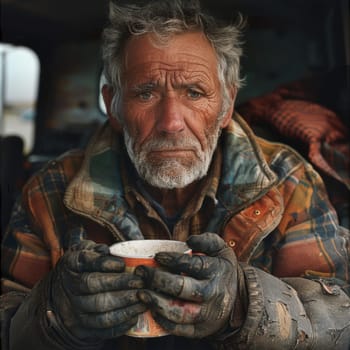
25 259
308 306
291 313
204 295
77 301
86 298
310 310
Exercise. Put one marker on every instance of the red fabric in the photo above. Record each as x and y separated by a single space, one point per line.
314 125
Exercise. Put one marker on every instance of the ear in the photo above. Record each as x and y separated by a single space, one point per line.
228 116
108 94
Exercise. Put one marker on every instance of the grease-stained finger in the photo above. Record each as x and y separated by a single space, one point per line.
99 282
207 243
175 310
198 266
92 261
111 318
180 286
103 302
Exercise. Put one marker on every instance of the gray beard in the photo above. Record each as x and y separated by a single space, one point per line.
172 173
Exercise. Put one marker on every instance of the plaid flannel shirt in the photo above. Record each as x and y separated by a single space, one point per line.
265 200
267 203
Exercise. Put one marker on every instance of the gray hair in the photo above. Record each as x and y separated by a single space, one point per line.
164 19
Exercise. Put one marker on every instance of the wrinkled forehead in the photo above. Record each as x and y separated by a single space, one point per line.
180 51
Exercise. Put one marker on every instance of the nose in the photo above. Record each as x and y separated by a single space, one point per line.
170 117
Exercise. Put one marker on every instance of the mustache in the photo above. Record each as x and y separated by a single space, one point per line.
169 143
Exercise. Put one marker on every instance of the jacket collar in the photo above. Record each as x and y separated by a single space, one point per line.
246 176
98 191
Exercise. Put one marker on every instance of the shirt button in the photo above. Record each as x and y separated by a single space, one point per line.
257 212
231 243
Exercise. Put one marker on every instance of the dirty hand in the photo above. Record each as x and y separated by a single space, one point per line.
92 295
195 297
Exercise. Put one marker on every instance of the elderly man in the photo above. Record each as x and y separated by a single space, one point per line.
175 162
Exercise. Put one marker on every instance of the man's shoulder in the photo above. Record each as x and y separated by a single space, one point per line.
281 158
57 173
278 157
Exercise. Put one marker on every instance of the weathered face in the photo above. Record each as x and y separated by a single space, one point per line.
170 107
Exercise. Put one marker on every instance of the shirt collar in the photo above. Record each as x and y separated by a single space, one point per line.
208 186
238 174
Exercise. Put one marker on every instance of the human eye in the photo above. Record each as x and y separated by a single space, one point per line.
144 92
145 95
194 94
